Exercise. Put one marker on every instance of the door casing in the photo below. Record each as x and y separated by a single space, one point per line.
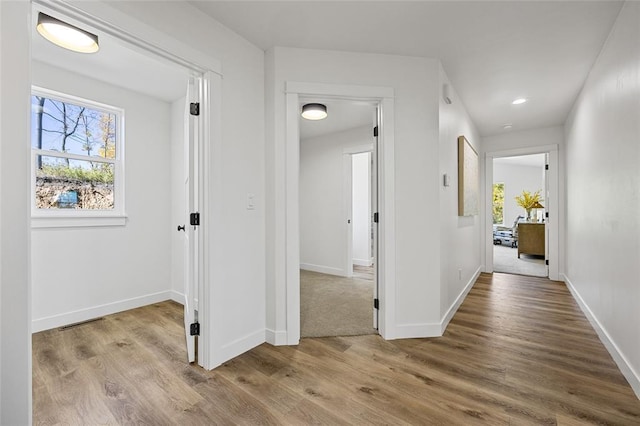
553 222
382 97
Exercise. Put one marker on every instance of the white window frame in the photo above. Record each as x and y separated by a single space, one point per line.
54 218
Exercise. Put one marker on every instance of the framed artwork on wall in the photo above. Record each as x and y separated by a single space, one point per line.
468 179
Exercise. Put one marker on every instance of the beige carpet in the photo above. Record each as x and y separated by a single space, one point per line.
335 306
505 259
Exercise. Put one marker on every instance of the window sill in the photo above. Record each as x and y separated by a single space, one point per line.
77 221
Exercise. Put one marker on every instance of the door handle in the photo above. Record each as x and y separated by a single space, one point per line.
180 228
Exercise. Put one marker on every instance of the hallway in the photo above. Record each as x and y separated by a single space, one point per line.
518 351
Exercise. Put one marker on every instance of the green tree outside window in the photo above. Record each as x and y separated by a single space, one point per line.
498 203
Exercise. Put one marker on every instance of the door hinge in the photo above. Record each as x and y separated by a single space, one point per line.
376 303
194 329
194 219
546 262
546 214
546 167
375 131
194 108
375 217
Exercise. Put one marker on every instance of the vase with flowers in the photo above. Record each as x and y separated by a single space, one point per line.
528 201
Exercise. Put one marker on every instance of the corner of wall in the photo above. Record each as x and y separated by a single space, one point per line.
270 190
446 318
15 283
460 237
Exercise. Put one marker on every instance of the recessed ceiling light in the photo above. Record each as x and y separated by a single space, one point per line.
519 101
507 126
66 35
314 111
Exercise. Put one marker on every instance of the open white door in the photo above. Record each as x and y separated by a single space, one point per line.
374 223
545 217
190 226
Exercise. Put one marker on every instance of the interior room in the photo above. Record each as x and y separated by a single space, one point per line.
336 242
511 177
510 78
66 286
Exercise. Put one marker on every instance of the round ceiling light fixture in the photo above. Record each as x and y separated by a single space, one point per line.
314 111
66 35
519 101
507 126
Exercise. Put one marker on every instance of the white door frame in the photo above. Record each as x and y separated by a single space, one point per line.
136 34
552 223
383 96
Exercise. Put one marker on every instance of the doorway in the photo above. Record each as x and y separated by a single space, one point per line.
287 243
542 229
152 92
335 206
519 233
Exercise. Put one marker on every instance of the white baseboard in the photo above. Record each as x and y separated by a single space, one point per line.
323 269
177 297
276 338
362 262
412 331
454 307
238 347
47 323
625 367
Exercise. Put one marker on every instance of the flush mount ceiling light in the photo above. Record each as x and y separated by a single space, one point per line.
507 126
314 111
519 101
66 35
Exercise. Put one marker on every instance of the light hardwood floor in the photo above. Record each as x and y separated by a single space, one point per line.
363 272
518 351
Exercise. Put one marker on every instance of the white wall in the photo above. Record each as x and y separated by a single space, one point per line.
15 307
178 197
80 273
237 290
517 178
323 215
361 207
603 194
459 238
415 84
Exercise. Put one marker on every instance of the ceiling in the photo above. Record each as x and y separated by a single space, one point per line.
492 51
534 160
341 115
115 63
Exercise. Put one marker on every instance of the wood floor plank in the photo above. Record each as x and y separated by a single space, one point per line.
329 394
242 372
518 351
232 405
371 386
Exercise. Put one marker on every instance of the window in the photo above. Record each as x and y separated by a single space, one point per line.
498 203
77 161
